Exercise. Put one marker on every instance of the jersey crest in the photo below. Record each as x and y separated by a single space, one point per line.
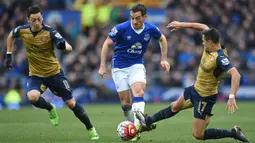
146 37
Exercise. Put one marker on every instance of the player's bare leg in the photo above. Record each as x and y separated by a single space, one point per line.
138 100
39 102
83 117
137 89
126 102
199 126
200 132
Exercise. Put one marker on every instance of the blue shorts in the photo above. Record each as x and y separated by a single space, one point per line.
57 84
202 105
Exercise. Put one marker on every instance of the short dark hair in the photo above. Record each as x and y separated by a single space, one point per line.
212 34
139 7
33 10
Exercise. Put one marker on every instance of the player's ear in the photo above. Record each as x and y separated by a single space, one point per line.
145 16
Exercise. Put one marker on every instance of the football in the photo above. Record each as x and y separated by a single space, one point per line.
126 130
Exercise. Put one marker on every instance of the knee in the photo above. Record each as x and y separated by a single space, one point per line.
71 103
33 96
198 135
175 107
126 104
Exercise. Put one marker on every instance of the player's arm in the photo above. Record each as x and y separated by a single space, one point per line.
224 63
107 43
163 46
113 36
10 43
64 45
235 81
176 25
60 42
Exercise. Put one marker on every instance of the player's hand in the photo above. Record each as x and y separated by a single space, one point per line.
231 105
175 25
102 71
8 61
165 65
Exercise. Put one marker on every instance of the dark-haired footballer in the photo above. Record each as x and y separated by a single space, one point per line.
130 40
44 68
202 95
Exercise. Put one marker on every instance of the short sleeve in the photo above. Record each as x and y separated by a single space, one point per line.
114 33
224 63
15 32
156 32
56 37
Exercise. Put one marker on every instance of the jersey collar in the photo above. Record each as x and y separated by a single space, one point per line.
139 30
35 33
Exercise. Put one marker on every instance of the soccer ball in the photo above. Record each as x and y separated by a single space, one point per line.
126 130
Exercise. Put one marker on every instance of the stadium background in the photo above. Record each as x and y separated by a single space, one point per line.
85 24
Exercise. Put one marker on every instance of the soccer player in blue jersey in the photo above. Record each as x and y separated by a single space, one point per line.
131 39
44 68
202 95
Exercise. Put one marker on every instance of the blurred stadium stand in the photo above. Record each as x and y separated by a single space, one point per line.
86 23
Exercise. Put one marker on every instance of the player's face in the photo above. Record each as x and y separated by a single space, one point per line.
137 19
207 44
35 21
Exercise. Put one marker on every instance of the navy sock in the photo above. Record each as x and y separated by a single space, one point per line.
161 115
41 103
217 133
82 116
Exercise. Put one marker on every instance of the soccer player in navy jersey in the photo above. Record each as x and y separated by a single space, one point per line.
202 95
131 39
44 68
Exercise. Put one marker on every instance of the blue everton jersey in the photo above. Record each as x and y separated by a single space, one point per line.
130 44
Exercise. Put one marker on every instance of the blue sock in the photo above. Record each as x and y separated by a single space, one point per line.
41 103
217 134
161 115
82 116
138 99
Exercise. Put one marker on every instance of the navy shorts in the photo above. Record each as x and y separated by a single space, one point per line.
202 105
57 84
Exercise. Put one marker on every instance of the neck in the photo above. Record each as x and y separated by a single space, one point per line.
139 28
36 30
215 48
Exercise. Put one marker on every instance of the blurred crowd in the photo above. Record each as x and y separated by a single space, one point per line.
234 19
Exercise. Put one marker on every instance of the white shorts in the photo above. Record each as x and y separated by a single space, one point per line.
125 77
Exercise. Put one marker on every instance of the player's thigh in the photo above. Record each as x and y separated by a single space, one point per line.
59 85
35 88
184 101
199 126
178 104
125 98
120 79
137 74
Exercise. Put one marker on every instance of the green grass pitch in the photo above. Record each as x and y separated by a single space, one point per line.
33 126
